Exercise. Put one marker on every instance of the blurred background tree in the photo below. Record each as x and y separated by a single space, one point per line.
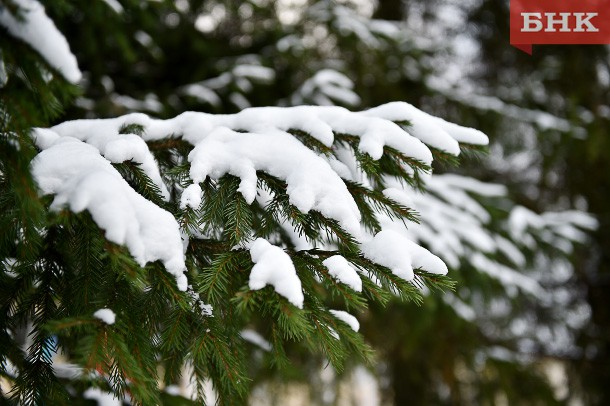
528 302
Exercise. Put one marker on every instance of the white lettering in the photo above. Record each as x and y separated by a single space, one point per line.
580 22
530 24
564 21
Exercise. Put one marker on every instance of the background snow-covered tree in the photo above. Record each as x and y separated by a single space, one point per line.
167 57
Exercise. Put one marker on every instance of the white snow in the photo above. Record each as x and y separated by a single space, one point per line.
346 318
511 251
318 121
365 386
226 151
104 135
81 179
340 268
191 197
469 184
105 315
560 229
173 390
39 31
272 266
401 255
461 134
423 125
220 148
375 133
255 338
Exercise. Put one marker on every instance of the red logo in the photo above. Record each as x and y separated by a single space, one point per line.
559 22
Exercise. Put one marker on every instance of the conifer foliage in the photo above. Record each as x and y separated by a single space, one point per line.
135 246
137 252
179 243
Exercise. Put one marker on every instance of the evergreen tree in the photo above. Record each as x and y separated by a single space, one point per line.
167 57
134 244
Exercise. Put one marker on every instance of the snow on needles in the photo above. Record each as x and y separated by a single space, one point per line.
401 255
37 30
339 268
105 315
77 156
346 318
433 131
272 266
116 147
226 151
81 179
423 126
191 197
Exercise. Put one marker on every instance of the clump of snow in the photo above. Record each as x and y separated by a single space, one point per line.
346 318
255 338
105 315
465 135
401 255
38 30
339 268
81 179
104 135
318 121
191 197
509 249
202 93
173 390
542 119
366 386
376 133
272 266
226 151
422 125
